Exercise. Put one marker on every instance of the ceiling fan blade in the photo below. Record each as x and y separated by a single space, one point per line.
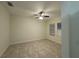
46 16
10 4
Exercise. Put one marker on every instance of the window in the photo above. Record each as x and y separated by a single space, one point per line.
58 26
52 29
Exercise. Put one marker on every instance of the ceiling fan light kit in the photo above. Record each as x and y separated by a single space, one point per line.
41 18
41 15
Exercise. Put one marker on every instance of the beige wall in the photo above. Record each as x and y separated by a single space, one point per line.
57 37
4 29
24 29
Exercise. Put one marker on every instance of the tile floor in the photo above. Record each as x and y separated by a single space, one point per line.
35 49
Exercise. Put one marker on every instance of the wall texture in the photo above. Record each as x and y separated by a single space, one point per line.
74 35
4 29
74 29
70 16
24 29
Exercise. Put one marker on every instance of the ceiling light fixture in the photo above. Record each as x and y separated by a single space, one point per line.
42 15
41 18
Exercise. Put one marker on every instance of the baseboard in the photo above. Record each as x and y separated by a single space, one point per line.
1 53
12 43
23 41
58 42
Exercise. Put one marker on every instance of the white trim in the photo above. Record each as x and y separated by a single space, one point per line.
12 43
1 53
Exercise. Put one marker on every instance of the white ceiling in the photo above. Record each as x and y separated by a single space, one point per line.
29 8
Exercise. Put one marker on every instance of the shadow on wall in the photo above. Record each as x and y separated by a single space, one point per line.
74 33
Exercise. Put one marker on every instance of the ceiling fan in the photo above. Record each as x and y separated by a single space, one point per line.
41 15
